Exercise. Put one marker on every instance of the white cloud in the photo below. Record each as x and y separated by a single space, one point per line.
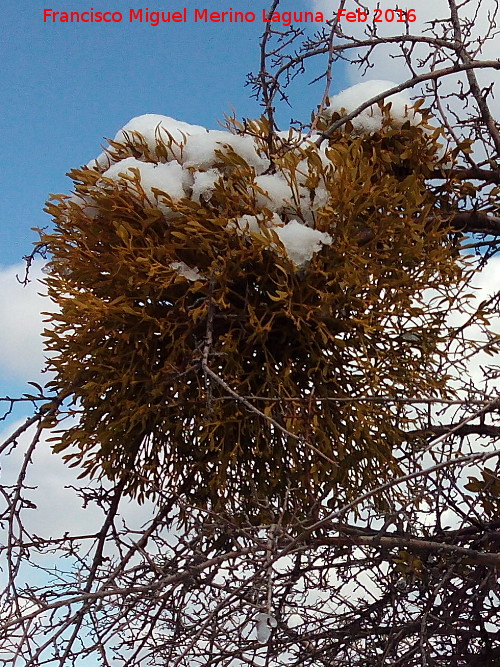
21 346
50 477
485 284
58 508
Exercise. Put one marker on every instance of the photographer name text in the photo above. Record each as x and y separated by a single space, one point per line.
155 18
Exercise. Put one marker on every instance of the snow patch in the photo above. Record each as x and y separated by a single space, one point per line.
153 127
278 192
204 184
167 177
186 271
370 120
301 242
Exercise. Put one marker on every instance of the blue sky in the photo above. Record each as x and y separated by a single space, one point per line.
66 86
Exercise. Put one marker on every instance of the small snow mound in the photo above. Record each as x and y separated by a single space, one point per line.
168 178
101 162
370 120
277 190
251 224
151 126
301 242
199 151
248 223
186 271
204 184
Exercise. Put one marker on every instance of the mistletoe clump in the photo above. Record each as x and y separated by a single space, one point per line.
226 298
